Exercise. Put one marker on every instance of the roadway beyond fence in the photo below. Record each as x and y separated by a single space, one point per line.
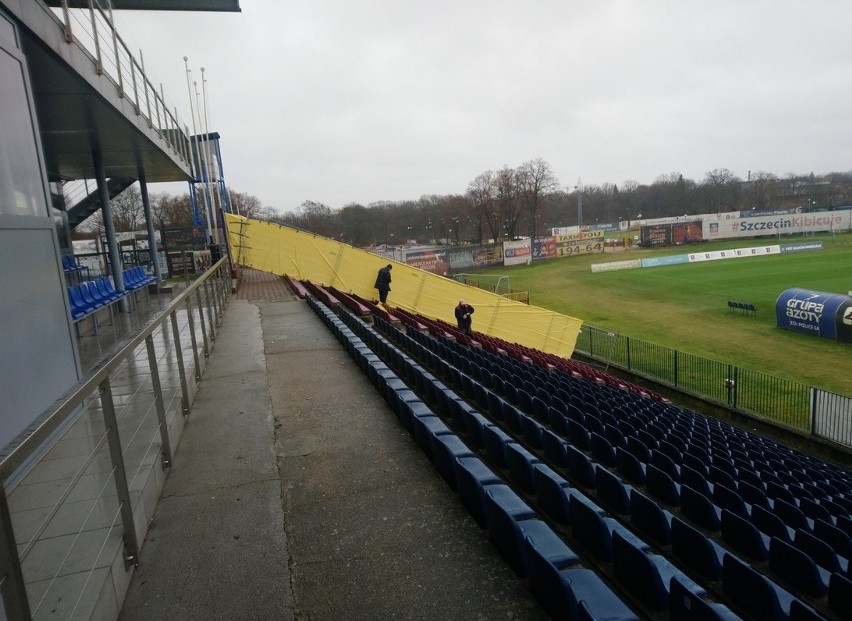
296 493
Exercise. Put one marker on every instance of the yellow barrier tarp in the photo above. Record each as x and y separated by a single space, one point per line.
278 249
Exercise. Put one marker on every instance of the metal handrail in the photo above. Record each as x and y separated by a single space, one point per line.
112 58
209 292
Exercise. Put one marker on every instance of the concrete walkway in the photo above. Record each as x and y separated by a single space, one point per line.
296 494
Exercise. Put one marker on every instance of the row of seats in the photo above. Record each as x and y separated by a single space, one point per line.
721 444
490 501
663 525
645 510
552 570
70 264
90 296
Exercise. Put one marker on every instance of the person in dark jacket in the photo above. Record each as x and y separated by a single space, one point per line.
463 317
383 281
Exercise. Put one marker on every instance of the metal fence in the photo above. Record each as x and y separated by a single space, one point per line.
79 490
793 404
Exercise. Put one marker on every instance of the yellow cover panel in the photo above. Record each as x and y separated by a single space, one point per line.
278 249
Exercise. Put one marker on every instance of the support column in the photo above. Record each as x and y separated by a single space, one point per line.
149 221
109 228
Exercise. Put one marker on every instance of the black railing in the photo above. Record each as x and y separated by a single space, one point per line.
790 403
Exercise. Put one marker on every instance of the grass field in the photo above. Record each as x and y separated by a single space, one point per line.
685 307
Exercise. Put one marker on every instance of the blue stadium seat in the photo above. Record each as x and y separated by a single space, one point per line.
475 423
685 605
726 498
553 493
770 524
791 515
753 495
752 594
797 569
426 428
695 479
840 596
799 611
521 464
612 492
601 450
505 514
555 449
699 509
649 519
835 537
629 466
594 532
580 467
446 448
717 476
647 576
776 490
496 443
577 435
695 551
661 486
532 432
666 464
472 478
638 449
820 552
512 417
814 510
566 592
742 536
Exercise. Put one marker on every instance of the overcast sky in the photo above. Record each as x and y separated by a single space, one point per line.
356 101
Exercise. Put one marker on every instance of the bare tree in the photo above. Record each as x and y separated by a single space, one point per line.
720 182
762 189
536 182
508 201
245 204
481 192
173 211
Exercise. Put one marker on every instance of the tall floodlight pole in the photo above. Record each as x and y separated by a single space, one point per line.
205 168
214 206
196 167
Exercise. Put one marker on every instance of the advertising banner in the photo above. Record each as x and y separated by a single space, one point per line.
778 224
674 259
587 242
434 261
488 254
613 266
666 234
544 248
734 253
655 235
517 252
828 315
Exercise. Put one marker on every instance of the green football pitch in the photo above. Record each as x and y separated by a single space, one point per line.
685 306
